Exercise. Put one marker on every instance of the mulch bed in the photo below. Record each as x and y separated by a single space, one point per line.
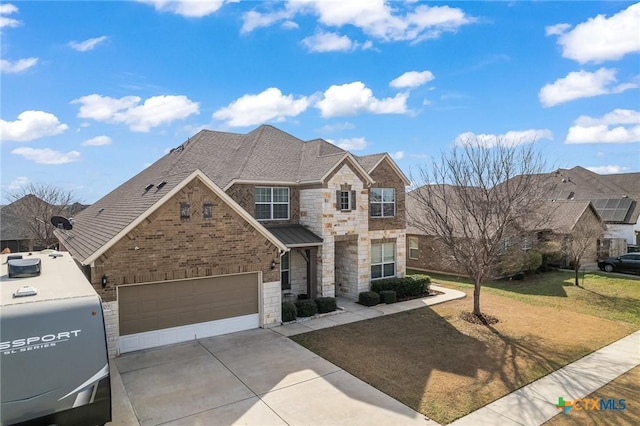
482 319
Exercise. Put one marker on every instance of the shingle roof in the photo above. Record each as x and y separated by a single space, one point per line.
579 183
295 235
563 215
265 154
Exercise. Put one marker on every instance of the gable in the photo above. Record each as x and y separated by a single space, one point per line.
386 172
94 237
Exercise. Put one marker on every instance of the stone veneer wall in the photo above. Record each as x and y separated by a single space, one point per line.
298 273
318 212
110 312
347 268
271 304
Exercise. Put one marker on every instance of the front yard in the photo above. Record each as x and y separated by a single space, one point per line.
445 368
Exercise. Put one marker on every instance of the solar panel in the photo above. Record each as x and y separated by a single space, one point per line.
613 209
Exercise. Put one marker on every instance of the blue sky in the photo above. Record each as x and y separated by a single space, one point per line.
93 92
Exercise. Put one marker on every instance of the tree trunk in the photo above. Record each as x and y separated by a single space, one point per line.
476 298
577 282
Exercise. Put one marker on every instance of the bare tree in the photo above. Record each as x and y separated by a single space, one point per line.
474 199
34 204
580 242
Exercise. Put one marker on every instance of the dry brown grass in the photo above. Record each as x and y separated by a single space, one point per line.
445 367
625 387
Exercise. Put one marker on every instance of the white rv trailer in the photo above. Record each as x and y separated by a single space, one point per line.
54 367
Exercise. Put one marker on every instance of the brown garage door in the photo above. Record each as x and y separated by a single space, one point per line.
154 306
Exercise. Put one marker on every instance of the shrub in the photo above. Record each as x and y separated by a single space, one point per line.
388 296
369 298
306 308
289 312
326 304
533 260
413 286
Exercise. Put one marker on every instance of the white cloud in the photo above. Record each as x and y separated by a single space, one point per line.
18 183
252 20
268 105
617 116
8 9
557 29
31 125
47 155
328 42
510 138
331 128
600 39
97 141
382 20
351 144
188 8
607 170
618 126
15 67
412 79
398 155
155 111
582 84
89 44
351 98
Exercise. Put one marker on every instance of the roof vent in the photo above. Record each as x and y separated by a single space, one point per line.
25 291
148 187
24 268
161 184
101 209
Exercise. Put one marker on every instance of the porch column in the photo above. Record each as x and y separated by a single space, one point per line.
312 273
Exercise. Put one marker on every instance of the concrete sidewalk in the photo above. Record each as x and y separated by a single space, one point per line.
535 403
351 311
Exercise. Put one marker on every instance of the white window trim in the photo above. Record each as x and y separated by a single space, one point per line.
383 263
271 203
382 203
416 248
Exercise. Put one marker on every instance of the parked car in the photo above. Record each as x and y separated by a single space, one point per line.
629 262
632 248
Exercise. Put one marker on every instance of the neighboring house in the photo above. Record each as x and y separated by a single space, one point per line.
25 222
616 197
559 221
212 237
572 225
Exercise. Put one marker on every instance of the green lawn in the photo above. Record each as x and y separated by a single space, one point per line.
445 367
611 297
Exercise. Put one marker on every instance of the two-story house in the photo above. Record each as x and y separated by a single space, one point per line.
211 238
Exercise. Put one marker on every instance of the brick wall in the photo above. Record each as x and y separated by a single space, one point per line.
164 247
386 177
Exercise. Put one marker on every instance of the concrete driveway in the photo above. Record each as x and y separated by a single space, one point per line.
256 377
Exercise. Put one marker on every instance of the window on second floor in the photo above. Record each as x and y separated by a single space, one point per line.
382 202
207 211
345 200
185 211
272 203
